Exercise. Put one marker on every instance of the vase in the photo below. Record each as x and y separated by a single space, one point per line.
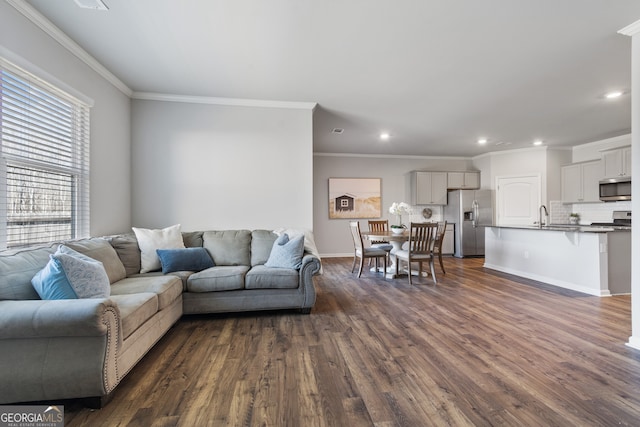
397 230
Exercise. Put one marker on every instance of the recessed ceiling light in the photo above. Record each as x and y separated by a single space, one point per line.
537 142
482 141
612 95
92 4
384 136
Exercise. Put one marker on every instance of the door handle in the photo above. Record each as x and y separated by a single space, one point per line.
476 213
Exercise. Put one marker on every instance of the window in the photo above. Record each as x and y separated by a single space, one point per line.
44 161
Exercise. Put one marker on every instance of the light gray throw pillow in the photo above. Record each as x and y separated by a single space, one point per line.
286 253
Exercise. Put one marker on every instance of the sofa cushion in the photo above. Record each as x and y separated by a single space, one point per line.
17 268
150 240
183 276
286 253
135 309
229 247
192 239
262 277
213 279
126 246
187 259
261 243
168 288
101 250
69 275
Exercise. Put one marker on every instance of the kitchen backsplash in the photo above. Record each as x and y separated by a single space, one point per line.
589 212
558 212
417 215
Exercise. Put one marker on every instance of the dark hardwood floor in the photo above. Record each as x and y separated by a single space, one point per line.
479 348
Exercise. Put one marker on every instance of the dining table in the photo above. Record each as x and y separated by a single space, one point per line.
395 239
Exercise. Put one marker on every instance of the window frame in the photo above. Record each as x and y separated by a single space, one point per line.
67 154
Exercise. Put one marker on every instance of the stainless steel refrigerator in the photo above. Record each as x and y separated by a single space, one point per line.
471 211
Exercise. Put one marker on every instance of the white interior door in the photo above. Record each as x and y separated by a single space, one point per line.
517 200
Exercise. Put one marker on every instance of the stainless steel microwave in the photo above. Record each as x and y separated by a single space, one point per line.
615 189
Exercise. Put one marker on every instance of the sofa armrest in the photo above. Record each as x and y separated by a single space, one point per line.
310 262
58 349
310 267
57 318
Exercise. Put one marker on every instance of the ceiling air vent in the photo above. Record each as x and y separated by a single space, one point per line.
337 130
92 4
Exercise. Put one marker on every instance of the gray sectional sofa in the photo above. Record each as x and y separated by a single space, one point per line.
82 348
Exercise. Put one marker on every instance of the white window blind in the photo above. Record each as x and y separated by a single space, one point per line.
44 165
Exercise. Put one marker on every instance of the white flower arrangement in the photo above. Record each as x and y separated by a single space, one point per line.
399 209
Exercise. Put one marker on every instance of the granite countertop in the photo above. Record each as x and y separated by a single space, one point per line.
568 228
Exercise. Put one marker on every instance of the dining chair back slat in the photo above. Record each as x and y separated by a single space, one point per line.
420 248
439 239
421 239
378 226
362 252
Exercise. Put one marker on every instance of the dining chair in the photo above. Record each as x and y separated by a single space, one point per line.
362 252
437 245
420 248
377 226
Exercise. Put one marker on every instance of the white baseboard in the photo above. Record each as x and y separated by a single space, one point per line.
634 342
337 255
549 281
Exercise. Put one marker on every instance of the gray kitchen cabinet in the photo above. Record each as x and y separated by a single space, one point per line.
447 242
580 182
617 162
463 180
428 188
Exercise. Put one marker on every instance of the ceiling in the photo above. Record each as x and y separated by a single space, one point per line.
435 74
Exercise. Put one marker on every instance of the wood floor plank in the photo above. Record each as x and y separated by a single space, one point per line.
479 348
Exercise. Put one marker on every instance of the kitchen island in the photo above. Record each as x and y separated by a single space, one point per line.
593 260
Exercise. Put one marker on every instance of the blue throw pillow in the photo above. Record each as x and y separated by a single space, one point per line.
286 253
52 283
187 259
70 275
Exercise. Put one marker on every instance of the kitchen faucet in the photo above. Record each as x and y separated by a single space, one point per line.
546 215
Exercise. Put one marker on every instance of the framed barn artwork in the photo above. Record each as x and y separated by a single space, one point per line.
354 198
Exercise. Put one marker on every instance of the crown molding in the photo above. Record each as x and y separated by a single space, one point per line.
56 33
631 30
45 78
620 141
391 156
234 102
519 150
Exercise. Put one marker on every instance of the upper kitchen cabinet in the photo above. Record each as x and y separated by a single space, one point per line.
428 188
617 162
580 181
463 180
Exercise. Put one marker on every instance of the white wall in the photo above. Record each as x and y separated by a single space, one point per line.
110 117
221 167
634 339
332 235
541 161
556 158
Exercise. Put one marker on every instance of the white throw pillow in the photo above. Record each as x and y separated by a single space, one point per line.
151 240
